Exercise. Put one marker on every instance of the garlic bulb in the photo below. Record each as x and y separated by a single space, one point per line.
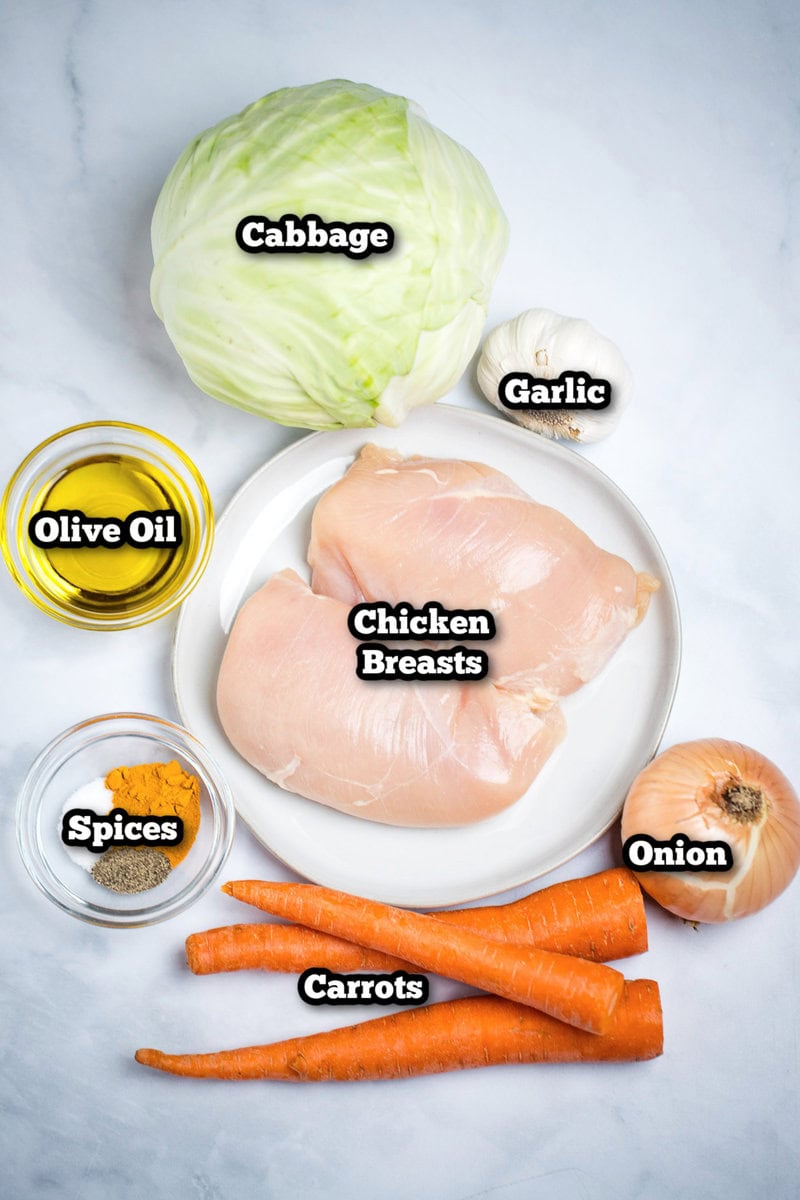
544 344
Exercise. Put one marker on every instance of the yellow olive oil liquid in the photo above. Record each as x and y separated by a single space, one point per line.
118 580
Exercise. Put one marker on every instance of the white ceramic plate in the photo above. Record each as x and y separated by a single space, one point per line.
615 724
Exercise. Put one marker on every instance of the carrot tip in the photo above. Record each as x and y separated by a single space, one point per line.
227 888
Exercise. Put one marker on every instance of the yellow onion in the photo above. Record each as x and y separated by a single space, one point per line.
711 790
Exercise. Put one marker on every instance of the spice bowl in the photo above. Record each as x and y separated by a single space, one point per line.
83 480
86 754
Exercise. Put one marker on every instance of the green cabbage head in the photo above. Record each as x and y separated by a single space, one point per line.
325 341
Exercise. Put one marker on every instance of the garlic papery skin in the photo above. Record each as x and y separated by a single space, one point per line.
543 344
708 790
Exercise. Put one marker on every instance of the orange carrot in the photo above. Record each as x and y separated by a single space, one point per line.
478 1031
287 948
573 990
600 917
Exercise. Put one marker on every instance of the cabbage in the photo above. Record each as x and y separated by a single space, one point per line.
325 341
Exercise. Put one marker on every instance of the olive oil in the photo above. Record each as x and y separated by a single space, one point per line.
109 581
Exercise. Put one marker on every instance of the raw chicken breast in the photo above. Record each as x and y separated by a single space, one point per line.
463 534
402 753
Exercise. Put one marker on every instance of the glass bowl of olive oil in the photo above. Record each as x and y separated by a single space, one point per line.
106 525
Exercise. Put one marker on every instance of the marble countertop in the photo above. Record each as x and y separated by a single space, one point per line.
646 158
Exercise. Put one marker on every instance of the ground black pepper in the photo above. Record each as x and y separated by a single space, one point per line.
131 869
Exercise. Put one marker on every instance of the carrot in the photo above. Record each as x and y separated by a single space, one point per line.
477 1031
573 990
287 948
600 917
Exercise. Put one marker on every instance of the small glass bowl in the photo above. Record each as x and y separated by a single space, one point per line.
51 460
86 752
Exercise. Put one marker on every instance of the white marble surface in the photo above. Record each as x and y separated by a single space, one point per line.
646 157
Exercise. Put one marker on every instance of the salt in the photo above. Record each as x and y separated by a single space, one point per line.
96 797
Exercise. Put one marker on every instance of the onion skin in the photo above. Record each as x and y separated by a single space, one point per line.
712 789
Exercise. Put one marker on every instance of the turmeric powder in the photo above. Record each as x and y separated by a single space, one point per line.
160 789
